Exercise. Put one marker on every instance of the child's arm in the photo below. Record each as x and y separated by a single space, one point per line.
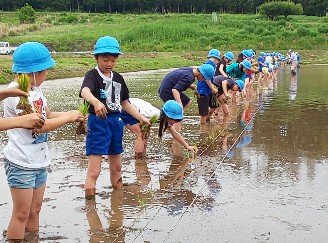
211 86
66 117
225 88
222 71
134 112
177 136
11 92
29 121
100 108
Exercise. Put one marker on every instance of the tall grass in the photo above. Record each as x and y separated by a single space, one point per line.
171 32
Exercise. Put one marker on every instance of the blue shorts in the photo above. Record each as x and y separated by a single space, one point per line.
104 136
18 177
128 119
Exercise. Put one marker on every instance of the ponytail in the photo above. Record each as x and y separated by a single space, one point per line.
163 124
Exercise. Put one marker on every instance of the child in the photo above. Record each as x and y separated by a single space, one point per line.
147 110
107 94
222 65
245 54
26 154
224 84
205 87
172 113
179 80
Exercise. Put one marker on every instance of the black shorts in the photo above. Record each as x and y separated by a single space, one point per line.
203 105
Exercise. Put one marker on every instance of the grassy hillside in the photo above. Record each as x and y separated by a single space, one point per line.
161 41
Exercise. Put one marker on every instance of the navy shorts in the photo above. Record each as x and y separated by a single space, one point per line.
104 136
184 98
128 119
203 105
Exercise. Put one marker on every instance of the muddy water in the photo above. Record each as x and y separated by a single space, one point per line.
260 176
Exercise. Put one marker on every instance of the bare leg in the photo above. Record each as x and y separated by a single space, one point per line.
139 144
115 165
22 200
32 224
94 166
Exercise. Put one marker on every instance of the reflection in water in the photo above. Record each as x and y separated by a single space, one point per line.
293 87
278 159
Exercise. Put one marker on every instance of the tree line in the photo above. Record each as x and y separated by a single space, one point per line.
310 7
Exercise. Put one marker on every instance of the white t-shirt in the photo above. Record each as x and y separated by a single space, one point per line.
26 148
145 108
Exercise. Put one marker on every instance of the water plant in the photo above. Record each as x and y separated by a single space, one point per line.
142 202
84 109
23 104
145 128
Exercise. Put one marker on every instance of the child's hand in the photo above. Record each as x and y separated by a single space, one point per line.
144 120
15 91
100 109
32 121
193 149
75 116
227 96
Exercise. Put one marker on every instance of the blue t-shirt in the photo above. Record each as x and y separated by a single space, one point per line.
179 79
260 60
202 87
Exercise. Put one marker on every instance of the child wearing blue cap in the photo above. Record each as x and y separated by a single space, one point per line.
205 88
172 113
26 154
179 80
106 92
224 84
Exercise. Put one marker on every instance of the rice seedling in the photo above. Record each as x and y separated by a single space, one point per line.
23 104
142 202
145 128
84 109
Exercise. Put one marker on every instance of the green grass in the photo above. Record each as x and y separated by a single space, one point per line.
154 41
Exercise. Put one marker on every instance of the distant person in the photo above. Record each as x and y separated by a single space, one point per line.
221 67
106 92
26 153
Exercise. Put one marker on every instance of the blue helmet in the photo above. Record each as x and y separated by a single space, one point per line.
214 53
32 57
262 53
247 53
107 44
207 70
229 55
247 64
173 109
240 84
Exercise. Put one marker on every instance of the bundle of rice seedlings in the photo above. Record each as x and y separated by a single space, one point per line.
145 128
84 109
23 104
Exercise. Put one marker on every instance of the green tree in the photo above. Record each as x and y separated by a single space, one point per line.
274 9
26 14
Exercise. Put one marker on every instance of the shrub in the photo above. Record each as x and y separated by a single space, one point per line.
26 14
274 9
323 29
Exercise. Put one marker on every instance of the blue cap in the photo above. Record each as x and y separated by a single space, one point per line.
229 55
32 57
107 44
262 53
240 84
247 53
214 53
207 70
173 109
247 64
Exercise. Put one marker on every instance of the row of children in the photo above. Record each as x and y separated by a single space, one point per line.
26 154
